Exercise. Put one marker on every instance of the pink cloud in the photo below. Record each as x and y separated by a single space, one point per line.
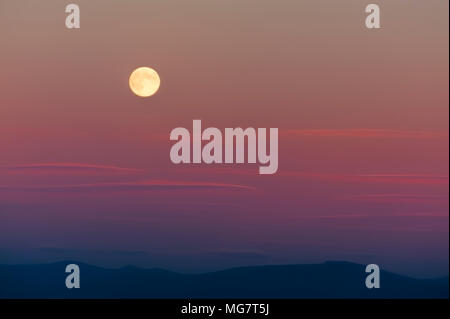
365 133
396 198
400 178
423 179
131 186
66 168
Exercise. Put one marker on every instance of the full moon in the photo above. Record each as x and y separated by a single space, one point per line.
144 82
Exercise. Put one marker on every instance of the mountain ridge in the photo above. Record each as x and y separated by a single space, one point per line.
332 279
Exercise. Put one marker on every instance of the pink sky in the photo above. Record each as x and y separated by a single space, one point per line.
363 119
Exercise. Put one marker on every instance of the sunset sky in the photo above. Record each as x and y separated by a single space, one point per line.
362 114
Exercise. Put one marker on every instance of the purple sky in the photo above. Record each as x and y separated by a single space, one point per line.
362 114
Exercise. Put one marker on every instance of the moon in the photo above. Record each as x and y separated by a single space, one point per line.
144 81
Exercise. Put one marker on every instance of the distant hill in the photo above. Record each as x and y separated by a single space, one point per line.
327 280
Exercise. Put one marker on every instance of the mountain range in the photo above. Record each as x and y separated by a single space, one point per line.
326 280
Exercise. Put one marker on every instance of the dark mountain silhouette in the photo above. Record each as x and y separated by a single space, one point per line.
327 280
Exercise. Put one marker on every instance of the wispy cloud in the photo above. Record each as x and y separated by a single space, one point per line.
67 168
365 133
239 254
389 178
62 251
423 179
131 186
392 197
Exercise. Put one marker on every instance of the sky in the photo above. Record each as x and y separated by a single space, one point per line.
85 172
